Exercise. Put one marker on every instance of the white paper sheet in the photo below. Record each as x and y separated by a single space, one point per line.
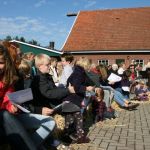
114 78
22 108
126 88
21 96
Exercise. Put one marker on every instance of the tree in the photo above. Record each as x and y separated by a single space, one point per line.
8 38
22 39
16 38
34 42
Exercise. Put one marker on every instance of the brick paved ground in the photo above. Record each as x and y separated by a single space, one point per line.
131 131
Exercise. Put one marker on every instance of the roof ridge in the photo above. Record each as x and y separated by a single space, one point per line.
107 9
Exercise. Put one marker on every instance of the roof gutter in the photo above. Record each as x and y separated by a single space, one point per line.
46 49
101 52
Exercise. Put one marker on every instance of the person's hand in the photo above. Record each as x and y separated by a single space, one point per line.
143 94
90 88
14 109
148 93
111 82
47 111
97 90
71 89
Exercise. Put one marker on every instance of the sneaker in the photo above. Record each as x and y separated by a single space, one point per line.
83 139
110 109
73 137
55 143
132 105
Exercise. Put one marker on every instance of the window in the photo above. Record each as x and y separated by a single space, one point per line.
103 61
119 61
139 61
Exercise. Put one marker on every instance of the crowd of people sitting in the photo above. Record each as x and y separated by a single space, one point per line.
67 84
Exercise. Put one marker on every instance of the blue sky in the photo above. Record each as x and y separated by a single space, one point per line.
46 20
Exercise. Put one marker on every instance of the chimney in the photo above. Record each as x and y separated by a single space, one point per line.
71 14
51 45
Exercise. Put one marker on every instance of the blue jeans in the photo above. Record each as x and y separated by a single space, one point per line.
120 90
119 98
86 100
107 98
108 94
40 124
14 132
107 88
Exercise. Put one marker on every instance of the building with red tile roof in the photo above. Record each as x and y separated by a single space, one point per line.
111 36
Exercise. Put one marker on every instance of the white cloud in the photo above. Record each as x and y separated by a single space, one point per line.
5 2
40 3
90 3
31 29
19 25
8 26
75 4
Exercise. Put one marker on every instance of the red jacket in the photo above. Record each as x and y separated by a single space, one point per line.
5 103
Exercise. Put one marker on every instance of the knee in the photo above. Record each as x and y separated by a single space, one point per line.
6 114
50 123
53 123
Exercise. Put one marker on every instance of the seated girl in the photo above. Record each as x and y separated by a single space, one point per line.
99 106
78 80
42 125
141 91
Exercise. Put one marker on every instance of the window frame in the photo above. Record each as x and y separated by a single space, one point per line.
106 61
138 61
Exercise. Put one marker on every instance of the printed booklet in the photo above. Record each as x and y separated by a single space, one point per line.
19 97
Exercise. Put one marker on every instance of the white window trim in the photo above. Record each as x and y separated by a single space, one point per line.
139 61
102 60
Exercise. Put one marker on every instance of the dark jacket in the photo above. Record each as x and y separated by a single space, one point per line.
148 76
94 78
78 80
45 93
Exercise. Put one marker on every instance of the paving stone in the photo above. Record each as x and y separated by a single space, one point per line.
131 131
124 133
111 148
115 138
104 145
96 141
139 137
131 146
122 148
130 143
92 148
123 141
146 132
146 140
147 147
102 133
91 137
109 141
108 135
139 147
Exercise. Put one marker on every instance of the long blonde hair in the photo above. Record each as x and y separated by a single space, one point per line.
24 68
84 62
103 71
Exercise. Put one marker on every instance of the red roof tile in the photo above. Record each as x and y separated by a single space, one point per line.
116 29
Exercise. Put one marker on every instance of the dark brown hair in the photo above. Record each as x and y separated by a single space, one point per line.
12 49
68 57
9 72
